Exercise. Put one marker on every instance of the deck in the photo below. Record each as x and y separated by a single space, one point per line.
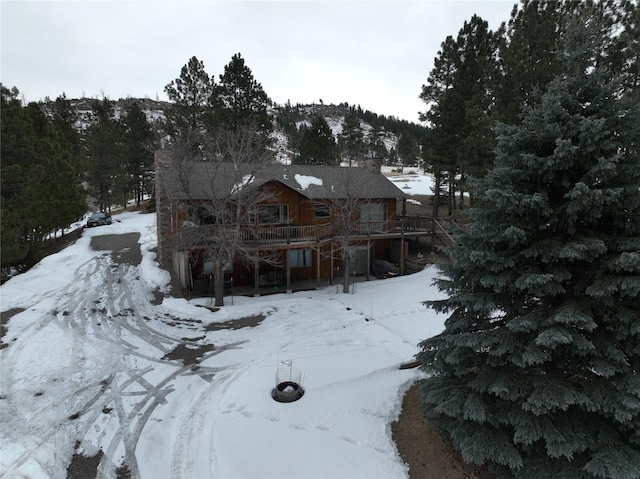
296 234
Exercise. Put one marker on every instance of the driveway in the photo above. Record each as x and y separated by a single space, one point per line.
106 366
124 248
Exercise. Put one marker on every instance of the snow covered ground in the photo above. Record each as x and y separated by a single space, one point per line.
412 181
95 361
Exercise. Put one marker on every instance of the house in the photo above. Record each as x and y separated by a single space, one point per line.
284 225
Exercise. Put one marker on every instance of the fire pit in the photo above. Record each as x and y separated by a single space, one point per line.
288 383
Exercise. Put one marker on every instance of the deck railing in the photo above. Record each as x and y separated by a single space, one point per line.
286 234
298 233
406 224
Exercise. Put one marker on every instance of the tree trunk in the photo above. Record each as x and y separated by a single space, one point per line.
346 265
218 284
437 187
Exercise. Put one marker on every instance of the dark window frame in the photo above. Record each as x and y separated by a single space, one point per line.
278 215
303 258
321 210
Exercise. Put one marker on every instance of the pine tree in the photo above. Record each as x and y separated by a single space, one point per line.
41 190
239 100
16 145
189 94
629 44
104 150
536 372
408 150
476 74
317 146
434 150
138 156
460 96
528 55
351 140
66 166
374 145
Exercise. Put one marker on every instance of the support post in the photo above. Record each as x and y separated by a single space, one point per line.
318 266
331 258
288 261
402 247
256 278
368 260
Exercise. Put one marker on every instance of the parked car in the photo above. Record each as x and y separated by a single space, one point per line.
99 218
383 269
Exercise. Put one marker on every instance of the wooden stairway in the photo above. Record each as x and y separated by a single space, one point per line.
440 232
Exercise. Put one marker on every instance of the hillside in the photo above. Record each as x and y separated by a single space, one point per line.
288 120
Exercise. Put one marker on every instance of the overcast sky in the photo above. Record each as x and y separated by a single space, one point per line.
376 54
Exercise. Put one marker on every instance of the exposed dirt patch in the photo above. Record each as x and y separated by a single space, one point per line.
248 322
190 354
158 297
4 319
419 205
427 451
84 467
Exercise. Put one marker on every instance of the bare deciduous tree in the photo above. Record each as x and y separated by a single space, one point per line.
223 192
348 222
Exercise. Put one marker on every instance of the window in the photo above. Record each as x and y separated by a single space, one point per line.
321 210
207 267
300 258
206 216
210 215
273 214
373 212
268 214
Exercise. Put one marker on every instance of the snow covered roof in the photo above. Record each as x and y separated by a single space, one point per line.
207 180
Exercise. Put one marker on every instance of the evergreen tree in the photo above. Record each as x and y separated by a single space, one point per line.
408 150
351 140
536 372
621 54
628 43
189 93
438 152
104 151
67 166
239 100
138 156
475 85
528 55
317 146
16 145
41 192
434 150
376 145
460 94
528 50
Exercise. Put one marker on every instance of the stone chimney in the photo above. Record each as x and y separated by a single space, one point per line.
373 164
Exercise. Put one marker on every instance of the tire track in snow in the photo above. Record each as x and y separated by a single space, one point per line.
103 312
122 315
59 427
131 416
184 455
